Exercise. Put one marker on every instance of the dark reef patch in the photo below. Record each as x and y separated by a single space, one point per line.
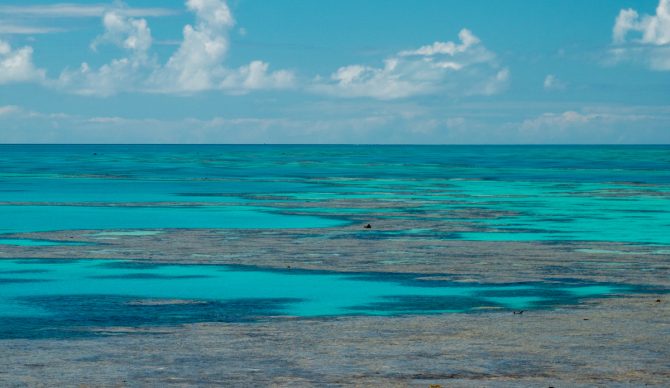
75 316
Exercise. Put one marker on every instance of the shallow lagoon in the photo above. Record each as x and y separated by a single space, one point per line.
306 327
17 219
26 242
56 295
535 194
574 193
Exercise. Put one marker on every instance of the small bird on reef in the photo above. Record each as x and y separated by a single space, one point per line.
368 226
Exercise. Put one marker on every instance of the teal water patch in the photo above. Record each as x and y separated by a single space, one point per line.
66 297
32 188
26 242
16 219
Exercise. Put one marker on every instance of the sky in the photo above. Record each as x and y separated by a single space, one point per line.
345 71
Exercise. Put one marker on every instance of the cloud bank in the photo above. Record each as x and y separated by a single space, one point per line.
389 122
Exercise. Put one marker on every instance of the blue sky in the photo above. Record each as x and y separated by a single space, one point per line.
301 71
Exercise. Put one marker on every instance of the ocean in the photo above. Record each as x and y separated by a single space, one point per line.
76 201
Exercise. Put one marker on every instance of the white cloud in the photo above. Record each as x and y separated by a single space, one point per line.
643 38
255 76
196 65
17 29
448 48
131 34
66 10
551 82
606 124
121 74
8 110
10 13
463 68
16 65
553 121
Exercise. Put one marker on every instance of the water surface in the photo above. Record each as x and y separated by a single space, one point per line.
530 193
56 297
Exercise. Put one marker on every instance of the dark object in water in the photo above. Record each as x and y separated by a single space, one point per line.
368 226
519 312
658 300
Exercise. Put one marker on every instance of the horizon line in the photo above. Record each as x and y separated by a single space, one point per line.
341 144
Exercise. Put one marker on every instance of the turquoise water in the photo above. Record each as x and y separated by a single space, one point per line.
545 193
52 218
480 193
57 297
26 242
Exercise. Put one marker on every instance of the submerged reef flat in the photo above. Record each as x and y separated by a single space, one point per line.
115 264
615 342
354 249
620 341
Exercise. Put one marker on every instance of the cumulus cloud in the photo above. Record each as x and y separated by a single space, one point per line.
131 34
464 67
449 48
121 74
198 62
16 65
255 76
643 38
196 65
